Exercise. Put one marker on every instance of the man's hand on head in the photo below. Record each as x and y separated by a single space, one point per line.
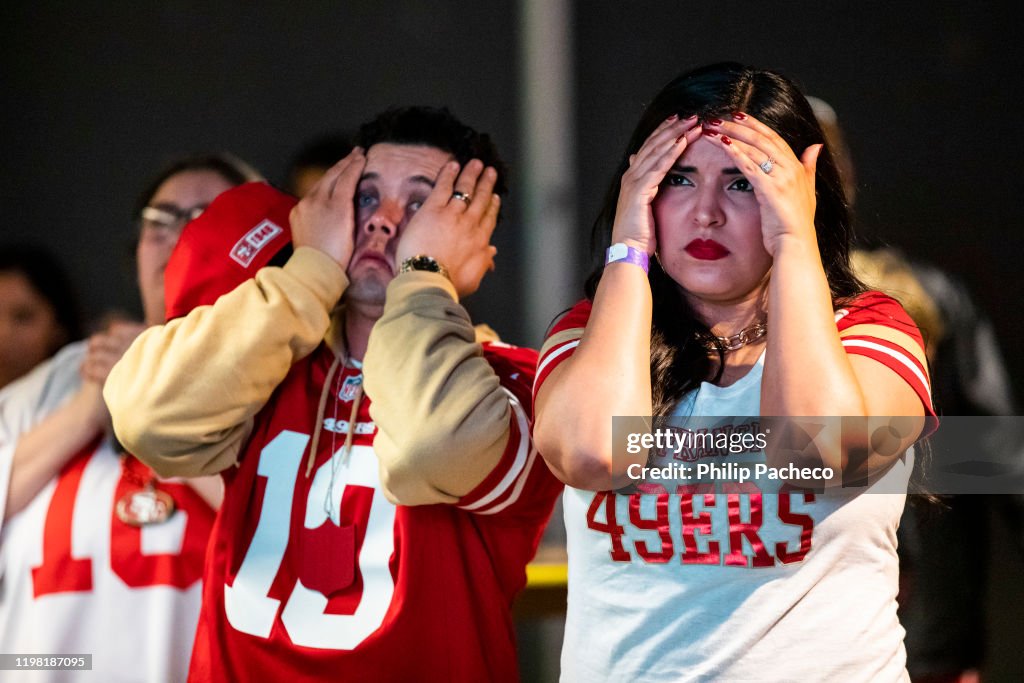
455 224
325 218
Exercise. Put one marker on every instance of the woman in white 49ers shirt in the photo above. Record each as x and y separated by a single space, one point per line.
97 556
728 198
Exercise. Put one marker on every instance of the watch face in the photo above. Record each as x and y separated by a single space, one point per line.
427 263
421 263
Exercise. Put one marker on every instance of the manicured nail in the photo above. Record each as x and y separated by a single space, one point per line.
739 116
726 140
714 122
711 133
691 117
672 117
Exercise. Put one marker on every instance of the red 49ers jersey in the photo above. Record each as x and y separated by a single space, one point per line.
319 576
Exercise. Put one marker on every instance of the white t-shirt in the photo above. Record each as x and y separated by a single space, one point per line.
743 585
74 579
668 621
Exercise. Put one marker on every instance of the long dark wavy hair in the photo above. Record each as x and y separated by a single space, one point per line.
678 361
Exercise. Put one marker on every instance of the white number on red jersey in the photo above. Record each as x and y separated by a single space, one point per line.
249 607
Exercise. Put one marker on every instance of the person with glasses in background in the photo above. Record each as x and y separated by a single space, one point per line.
97 554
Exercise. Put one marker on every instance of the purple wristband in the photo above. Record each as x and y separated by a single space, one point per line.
623 252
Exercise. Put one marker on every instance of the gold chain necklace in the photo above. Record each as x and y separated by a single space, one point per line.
748 335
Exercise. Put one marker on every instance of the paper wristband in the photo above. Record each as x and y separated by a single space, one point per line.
622 252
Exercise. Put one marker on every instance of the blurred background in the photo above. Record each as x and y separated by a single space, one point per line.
96 96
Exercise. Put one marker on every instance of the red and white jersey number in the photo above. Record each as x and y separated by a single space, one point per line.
356 497
134 556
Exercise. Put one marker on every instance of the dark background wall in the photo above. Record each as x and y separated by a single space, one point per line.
919 89
95 99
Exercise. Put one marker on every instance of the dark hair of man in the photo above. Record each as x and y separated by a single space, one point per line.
433 127
228 166
678 362
47 276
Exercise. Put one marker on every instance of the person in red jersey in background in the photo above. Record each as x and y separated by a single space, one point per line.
727 196
98 555
382 493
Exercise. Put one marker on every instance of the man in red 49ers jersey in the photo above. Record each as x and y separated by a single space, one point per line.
382 493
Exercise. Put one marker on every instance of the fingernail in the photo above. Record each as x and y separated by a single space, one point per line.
672 117
711 133
726 140
739 116
714 122
691 117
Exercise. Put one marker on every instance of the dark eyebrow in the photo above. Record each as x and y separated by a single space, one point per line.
172 207
419 179
732 170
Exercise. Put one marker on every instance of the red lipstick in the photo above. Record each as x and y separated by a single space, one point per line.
706 250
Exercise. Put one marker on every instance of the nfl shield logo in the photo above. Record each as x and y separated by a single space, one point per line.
348 389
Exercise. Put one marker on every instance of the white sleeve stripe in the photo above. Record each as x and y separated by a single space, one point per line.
517 490
555 353
518 465
895 354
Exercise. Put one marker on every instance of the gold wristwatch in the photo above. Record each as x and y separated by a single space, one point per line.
423 262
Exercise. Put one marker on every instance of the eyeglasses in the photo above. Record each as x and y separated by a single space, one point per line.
167 218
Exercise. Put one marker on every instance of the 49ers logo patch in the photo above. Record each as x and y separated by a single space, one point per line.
350 387
254 241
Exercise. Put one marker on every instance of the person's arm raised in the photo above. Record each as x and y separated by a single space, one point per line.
609 374
183 397
47 447
442 416
807 371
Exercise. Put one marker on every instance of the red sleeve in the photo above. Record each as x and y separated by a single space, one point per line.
520 483
562 341
876 326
